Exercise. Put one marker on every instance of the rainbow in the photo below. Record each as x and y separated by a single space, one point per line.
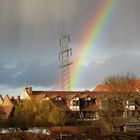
91 35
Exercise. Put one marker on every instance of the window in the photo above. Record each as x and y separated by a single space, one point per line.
75 98
132 107
87 98
45 98
87 101
75 103
58 98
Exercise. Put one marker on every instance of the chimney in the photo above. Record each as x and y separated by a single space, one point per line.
29 90
12 98
18 99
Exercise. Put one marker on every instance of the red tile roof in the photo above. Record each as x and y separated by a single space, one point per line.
7 107
101 88
65 95
104 87
7 101
68 129
61 94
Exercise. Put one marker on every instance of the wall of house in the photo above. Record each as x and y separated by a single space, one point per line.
7 102
1 101
24 94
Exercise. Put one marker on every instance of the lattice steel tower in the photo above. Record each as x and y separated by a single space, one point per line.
64 55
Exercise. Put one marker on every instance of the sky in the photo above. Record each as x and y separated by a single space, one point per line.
29 43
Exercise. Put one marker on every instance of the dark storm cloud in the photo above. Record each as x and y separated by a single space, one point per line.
29 32
31 74
121 63
122 31
29 40
32 28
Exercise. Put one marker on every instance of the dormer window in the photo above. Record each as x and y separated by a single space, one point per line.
58 98
87 101
87 98
75 101
74 104
130 102
132 107
45 98
76 98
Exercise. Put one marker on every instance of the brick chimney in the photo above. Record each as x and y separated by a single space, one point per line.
29 90
12 98
18 100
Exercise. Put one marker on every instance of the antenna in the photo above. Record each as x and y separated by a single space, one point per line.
64 55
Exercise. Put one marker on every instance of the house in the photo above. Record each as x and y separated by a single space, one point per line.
1 100
6 108
132 107
133 125
79 105
101 88
85 105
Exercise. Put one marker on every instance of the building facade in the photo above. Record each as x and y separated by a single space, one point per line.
79 105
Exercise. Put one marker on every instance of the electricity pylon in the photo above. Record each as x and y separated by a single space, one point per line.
64 55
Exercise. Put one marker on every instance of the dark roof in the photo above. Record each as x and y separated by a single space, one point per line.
101 88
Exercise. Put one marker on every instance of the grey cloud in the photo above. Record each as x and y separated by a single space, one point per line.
122 30
122 63
31 74
32 28
30 31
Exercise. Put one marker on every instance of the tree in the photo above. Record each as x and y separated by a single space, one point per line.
120 90
1 120
24 116
38 113
56 115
